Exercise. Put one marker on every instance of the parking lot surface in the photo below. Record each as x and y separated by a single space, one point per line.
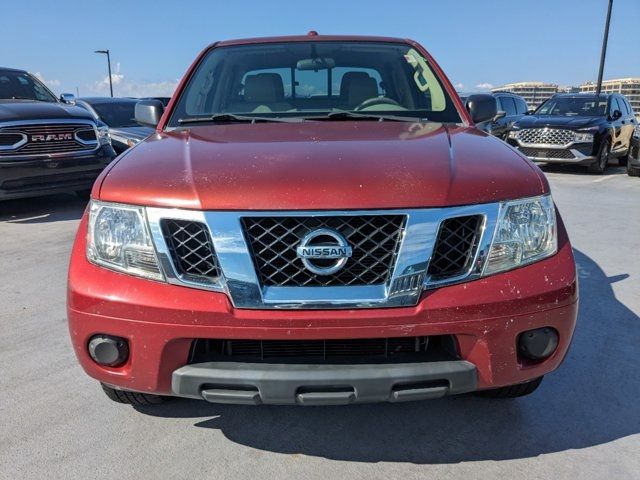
583 422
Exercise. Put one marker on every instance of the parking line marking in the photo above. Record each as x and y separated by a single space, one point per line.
602 179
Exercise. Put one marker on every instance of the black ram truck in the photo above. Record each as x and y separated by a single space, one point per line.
46 145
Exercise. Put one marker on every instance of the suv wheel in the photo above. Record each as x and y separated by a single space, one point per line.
632 171
600 165
132 398
512 391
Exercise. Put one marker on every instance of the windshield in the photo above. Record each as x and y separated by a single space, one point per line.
22 86
573 106
117 114
314 79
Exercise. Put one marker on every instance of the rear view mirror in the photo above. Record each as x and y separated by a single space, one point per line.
315 64
499 115
68 98
149 112
482 107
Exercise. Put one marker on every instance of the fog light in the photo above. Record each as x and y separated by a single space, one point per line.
538 344
108 351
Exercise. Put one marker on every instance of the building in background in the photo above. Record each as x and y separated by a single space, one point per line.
629 87
533 92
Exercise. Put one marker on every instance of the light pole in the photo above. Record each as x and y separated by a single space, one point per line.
603 53
106 52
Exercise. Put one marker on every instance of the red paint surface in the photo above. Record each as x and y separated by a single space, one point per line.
319 165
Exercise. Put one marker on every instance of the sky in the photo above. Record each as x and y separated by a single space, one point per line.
478 43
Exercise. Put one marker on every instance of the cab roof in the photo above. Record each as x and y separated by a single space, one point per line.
312 37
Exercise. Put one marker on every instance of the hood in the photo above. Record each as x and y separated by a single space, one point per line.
31 110
533 121
320 165
130 133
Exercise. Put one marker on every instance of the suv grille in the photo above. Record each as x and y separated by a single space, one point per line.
455 247
374 350
375 241
545 136
553 153
49 139
191 249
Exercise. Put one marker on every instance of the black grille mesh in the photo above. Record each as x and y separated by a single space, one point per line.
551 153
191 248
455 247
375 241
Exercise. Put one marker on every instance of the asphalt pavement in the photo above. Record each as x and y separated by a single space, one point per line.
583 422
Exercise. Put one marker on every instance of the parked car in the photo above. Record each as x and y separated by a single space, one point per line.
164 100
580 129
633 162
511 108
46 145
318 222
119 115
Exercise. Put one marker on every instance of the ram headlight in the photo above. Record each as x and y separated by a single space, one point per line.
118 238
104 138
526 232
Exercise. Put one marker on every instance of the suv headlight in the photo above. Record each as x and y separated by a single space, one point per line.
526 232
104 138
119 238
583 137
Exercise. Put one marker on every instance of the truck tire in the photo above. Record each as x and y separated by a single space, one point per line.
132 398
600 165
632 171
512 391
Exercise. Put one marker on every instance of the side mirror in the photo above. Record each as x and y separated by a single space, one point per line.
148 112
68 98
616 115
482 107
499 115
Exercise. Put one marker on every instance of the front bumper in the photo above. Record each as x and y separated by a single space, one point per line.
576 154
44 175
160 322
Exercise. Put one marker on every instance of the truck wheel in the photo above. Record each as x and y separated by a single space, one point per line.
633 171
132 398
600 165
512 391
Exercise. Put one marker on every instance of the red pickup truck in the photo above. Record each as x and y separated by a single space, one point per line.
317 221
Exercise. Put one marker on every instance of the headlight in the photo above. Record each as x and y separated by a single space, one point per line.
583 137
118 238
103 136
526 232
636 131
513 134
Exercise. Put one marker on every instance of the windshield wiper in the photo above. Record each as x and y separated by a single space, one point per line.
232 117
347 115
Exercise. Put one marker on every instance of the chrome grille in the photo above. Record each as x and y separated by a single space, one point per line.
75 137
455 247
375 241
546 136
191 249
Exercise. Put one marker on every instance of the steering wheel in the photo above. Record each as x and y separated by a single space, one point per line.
370 102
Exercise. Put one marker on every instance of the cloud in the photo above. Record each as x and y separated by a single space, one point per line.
484 86
125 87
53 83
459 86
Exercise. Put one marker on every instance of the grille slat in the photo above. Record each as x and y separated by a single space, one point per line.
455 247
374 239
546 136
552 153
191 249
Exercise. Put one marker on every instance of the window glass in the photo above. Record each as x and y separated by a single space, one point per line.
614 105
508 105
573 106
315 78
521 106
22 86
